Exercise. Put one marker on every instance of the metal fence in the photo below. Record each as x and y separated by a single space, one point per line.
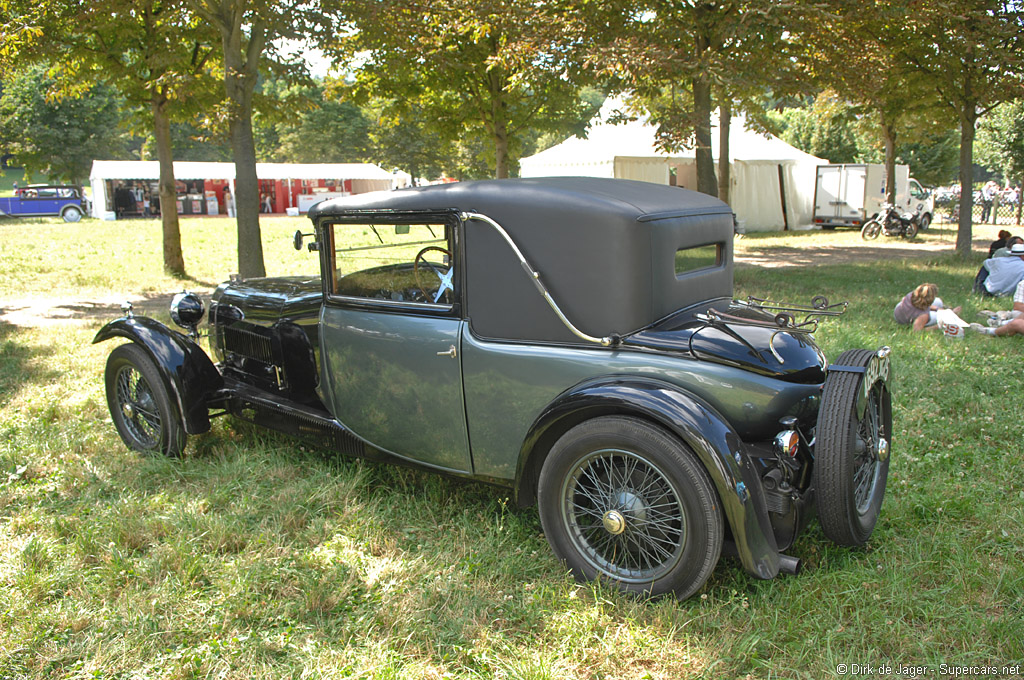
1000 212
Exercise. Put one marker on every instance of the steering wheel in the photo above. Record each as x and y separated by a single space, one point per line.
444 277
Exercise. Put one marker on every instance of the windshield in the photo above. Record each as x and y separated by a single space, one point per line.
393 262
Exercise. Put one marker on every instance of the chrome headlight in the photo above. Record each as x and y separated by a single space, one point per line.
187 310
786 443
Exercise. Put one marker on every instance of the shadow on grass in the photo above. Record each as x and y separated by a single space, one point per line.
17 363
188 278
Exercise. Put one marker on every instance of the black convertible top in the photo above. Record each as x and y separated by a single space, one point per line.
605 249
612 197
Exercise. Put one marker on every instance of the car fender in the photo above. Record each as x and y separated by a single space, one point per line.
687 416
188 373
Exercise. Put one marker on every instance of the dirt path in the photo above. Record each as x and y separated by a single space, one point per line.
787 256
43 311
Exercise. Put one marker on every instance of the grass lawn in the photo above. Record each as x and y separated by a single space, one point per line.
255 556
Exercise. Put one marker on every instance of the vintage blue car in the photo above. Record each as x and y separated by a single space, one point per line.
44 200
575 340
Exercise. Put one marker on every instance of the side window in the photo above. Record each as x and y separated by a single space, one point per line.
917 192
697 258
403 263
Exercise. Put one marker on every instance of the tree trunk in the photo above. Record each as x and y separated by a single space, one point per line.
724 169
240 72
706 182
499 124
247 197
501 150
174 261
963 233
890 163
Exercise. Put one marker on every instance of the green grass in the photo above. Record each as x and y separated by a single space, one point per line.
49 257
254 556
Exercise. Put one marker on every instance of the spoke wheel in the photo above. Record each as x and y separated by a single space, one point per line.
870 452
624 516
140 405
852 452
620 499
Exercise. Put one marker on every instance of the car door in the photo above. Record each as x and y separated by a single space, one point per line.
390 336
43 201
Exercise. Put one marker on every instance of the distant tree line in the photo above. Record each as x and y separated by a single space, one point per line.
467 87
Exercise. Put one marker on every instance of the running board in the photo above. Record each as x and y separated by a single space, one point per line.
289 417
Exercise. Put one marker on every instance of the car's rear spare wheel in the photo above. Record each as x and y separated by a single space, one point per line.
853 446
622 500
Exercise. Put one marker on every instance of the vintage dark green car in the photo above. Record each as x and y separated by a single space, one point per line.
575 340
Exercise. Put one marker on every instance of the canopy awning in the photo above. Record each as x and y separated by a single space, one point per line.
184 170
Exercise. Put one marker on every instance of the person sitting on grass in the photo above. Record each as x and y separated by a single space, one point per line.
1007 250
1000 275
998 243
1005 323
919 307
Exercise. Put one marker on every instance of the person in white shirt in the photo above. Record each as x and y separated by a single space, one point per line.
1000 275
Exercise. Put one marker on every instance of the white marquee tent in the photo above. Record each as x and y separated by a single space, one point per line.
772 182
363 177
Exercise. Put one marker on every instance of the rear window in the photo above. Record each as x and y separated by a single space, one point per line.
697 258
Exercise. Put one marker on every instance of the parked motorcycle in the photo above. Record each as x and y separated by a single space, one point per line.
890 222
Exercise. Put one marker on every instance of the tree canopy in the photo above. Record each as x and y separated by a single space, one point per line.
973 53
859 50
676 58
487 68
321 127
53 136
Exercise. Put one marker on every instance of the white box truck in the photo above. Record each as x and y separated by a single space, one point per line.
848 195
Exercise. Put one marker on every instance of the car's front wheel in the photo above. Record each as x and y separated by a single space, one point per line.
141 407
621 499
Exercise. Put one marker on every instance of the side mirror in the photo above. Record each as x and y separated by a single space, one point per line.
297 241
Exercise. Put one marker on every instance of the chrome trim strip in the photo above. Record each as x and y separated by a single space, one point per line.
383 302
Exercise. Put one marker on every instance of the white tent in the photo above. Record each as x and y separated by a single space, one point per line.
772 182
363 176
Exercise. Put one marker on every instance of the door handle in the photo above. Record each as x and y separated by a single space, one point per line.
450 353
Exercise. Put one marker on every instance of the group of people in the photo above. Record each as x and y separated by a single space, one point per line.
1004 268
989 197
1001 274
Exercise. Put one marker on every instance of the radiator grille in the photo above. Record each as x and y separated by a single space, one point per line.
249 344
778 502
